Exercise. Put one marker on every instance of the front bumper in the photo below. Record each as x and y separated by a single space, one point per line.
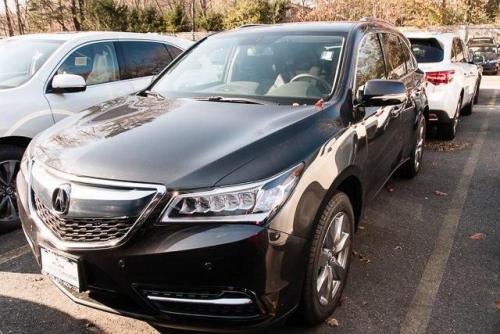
165 274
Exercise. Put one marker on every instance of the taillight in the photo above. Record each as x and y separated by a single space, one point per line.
439 77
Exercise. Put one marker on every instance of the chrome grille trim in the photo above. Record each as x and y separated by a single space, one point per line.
159 192
83 229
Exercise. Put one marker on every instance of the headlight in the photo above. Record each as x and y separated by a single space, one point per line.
244 203
25 162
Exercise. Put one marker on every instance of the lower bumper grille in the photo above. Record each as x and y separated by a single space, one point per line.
83 229
229 305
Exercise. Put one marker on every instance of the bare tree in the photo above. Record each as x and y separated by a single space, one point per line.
7 15
20 25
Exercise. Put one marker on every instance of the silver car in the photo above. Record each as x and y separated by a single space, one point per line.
46 77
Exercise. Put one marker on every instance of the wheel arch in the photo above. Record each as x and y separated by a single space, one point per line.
19 141
348 182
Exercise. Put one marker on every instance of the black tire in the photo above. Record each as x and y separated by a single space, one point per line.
448 130
467 110
411 168
10 158
312 310
476 95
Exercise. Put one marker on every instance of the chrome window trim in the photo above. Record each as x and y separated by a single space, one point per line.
72 245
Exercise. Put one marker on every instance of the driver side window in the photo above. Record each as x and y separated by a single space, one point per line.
370 61
96 63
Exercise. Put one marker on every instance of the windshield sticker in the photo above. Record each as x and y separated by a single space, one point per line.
327 55
80 61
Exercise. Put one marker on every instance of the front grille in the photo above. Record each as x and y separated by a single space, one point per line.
83 229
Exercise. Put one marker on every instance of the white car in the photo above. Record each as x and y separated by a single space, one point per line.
452 80
46 77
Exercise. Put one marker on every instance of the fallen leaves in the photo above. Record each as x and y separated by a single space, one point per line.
332 322
477 236
362 257
440 193
497 304
446 146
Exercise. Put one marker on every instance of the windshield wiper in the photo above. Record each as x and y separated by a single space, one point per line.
230 100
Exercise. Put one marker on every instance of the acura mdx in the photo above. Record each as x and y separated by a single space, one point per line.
226 195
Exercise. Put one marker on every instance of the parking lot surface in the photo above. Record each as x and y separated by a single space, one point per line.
427 254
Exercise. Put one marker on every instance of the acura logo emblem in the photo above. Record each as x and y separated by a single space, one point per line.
60 199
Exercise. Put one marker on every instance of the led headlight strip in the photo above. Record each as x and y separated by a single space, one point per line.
247 202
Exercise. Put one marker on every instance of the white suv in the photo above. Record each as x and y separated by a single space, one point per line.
46 77
453 81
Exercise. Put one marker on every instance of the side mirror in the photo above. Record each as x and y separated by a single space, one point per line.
378 93
68 83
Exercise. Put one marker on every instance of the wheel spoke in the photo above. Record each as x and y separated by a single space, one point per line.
324 257
337 229
338 271
341 244
9 169
323 275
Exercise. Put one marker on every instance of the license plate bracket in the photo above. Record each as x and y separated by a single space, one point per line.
65 269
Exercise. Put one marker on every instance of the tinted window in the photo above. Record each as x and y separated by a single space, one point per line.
142 59
394 56
427 50
96 63
174 52
410 65
370 62
459 51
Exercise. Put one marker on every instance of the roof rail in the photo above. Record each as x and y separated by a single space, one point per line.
249 25
375 19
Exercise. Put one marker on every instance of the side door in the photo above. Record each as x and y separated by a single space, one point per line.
97 63
414 85
140 61
460 79
470 70
396 62
378 121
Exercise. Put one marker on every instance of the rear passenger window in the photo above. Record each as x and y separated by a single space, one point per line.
142 59
395 56
459 51
370 62
174 52
407 54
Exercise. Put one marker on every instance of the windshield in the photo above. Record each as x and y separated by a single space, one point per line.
489 52
427 50
21 59
282 68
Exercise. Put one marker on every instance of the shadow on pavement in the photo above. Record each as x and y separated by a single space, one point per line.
490 97
21 316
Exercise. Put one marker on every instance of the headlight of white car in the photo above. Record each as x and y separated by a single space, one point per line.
253 202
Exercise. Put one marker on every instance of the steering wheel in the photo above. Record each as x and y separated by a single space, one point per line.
323 82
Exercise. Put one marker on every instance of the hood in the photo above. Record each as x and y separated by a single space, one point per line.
181 143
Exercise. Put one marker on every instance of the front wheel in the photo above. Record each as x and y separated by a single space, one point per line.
412 166
10 159
476 95
329 260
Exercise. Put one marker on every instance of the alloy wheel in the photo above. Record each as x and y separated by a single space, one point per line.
333 258
8 204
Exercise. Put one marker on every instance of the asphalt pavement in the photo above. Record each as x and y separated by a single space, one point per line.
427 254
